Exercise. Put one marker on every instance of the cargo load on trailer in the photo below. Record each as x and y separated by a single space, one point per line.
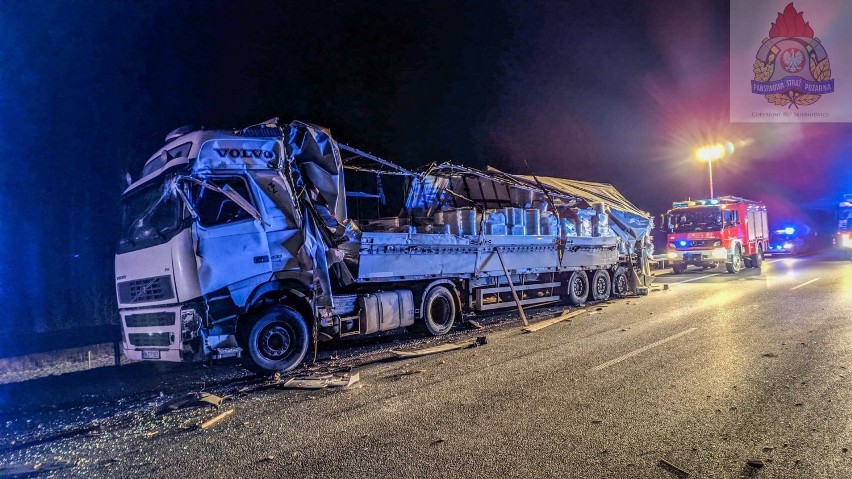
707 233
240 243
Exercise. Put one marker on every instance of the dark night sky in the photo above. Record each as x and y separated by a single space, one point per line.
619 92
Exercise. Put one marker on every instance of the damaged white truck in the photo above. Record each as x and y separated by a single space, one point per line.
238 243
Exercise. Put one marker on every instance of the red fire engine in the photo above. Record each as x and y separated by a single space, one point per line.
706 233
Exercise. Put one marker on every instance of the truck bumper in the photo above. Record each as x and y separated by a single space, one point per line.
152 334
697 257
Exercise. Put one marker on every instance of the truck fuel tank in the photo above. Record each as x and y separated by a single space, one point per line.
386 310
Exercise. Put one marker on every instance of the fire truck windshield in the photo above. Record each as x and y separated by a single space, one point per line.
704 218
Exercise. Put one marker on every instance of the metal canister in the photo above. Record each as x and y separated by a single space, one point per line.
532 220
467 221
515 220
495 222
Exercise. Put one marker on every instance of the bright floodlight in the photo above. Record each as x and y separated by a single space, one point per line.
710 153
789 230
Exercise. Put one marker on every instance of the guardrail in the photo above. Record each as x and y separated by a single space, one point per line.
33 343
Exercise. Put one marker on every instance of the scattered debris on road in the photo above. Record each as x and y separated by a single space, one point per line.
441 348
756 463
549 322
39 468
321 382
216 419
673 468
405 372
473 324
69 432
191 400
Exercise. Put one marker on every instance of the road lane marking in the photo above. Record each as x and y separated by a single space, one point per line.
773 261
805 283
696 279
641 350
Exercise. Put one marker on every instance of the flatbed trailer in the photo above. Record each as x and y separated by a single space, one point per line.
238 243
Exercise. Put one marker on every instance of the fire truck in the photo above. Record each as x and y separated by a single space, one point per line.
239 243
725 230
844 230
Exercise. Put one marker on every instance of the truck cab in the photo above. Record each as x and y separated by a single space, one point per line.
708 233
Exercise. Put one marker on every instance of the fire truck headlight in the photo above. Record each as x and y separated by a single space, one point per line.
847 241
718 243
720 253
671 255
788 245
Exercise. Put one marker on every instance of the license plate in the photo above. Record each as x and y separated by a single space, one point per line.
151 354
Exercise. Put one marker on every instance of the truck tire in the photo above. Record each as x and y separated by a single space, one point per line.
757 258
736 263
679 268
577 287
277 339
439 311
601 285
620 282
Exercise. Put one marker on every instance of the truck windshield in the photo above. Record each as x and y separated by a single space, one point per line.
150 216
707 218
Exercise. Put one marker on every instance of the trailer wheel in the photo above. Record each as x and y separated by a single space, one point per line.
620 282
601 285
679 268
578 287
439 311
736 263
277 340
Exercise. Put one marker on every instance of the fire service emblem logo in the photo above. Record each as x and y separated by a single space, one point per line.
792 66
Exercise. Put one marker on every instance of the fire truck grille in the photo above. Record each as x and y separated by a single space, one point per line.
146 290
697 243
150 339
149 319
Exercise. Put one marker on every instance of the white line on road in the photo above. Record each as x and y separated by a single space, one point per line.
641 350
805 283
773 261
696 279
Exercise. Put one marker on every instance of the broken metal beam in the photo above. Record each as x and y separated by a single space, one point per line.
550 322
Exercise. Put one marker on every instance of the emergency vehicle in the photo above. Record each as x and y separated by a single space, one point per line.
707 233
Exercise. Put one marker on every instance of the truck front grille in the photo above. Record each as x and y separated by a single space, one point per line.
150 339
149 319
146 290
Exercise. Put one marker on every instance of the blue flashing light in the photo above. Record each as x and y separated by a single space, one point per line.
682 243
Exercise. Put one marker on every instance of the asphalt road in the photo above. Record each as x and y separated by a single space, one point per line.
708 372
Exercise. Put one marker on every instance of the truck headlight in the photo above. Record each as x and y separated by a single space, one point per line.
190 324
788 245
720 253
671 255
718 243
847 241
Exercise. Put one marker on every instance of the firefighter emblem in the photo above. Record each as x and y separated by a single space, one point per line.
792 68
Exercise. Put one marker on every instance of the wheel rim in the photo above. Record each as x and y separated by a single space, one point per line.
274 341
440 311
577 286
600 286
621 283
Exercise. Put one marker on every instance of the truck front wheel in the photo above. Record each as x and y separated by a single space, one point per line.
736 263
277 340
